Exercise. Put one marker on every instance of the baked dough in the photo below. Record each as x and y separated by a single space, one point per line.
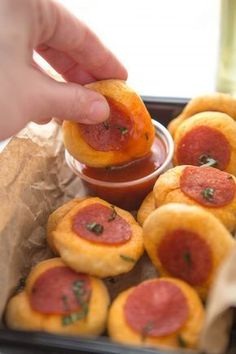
147 206
56 217
209 135
186 336
128 134
21 316
167 190
217 102
188 243
107 242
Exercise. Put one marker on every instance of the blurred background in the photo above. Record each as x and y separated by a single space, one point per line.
170 48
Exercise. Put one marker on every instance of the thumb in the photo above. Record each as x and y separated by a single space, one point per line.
64 100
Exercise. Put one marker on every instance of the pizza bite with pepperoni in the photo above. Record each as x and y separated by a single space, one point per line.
98 238
57 299
208 187
162 312
207 139
126 135
188 243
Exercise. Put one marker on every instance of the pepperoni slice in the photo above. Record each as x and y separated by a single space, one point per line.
156 308
101 224
111 135
207 186
185 255
60 290
201 145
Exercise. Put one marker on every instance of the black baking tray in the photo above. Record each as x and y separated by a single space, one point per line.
19 342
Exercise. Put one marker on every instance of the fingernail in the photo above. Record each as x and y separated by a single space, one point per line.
98 111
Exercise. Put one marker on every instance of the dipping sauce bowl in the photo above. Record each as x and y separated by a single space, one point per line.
126 186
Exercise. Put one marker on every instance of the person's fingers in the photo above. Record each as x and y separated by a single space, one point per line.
62 31
64 65
64 101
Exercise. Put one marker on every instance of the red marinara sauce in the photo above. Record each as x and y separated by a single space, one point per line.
126 186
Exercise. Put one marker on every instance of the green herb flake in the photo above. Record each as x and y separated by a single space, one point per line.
207 161
95 228
106 125
146 330
208 194
67 320
127 258
123 130
181 341
79 291
187 258
113 214
73 317
65 302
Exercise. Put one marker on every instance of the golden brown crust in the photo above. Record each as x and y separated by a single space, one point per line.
134 108
171 217
120 332
20 315
167 190
97 259
147 206
218 102
56 217
219 121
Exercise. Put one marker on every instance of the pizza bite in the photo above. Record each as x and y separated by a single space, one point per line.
209 139
217 102
147 206
187 242
126 135
98 238
208 187
163 312
56 299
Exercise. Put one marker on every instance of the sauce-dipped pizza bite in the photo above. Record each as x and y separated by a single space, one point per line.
188 243
56 299
98 238
209 139
217 102
162 312
127 135
208 187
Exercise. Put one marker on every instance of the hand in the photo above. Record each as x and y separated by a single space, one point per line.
73 50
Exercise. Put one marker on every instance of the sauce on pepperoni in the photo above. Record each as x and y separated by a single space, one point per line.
185 255
111 135
60 290
207 186
201 144
156 308
100 224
